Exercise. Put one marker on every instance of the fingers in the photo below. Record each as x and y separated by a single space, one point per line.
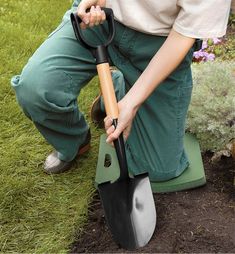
94 17
97 16
81 12
113 133
108 121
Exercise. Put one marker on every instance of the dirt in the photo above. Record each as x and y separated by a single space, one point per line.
201 220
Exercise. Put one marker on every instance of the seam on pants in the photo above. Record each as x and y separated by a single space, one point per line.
182 102
72 88
127 41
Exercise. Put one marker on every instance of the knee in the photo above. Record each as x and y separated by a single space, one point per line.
27 89
36 92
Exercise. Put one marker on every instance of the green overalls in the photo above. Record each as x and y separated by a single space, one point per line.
50 83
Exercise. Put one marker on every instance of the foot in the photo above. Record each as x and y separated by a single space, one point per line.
53 165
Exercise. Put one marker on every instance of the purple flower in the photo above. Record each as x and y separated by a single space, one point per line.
210 57
198 54
204 45
216 41
203 56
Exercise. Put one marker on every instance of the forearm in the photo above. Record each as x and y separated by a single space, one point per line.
168 57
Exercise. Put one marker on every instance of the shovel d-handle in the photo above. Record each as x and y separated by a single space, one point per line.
98 50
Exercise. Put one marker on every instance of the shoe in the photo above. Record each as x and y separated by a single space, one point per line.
97 115
53 165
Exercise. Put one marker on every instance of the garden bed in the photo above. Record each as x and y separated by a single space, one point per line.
200 220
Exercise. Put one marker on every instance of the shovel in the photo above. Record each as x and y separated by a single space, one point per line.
128 202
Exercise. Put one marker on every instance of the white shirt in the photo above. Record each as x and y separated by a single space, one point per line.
192 18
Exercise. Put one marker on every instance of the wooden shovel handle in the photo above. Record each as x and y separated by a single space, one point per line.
111 108
107 90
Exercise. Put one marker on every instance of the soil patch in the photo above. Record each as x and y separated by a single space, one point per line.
200 220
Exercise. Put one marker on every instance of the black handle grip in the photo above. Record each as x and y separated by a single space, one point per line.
75 19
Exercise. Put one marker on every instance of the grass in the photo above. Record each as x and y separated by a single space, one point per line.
38 213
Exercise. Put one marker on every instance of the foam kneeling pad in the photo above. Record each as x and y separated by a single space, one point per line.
194 176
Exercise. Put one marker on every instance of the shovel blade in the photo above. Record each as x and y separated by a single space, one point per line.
129 210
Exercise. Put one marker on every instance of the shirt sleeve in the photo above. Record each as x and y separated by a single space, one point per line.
202 18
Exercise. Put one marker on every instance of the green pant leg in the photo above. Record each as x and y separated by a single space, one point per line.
49 84
155 144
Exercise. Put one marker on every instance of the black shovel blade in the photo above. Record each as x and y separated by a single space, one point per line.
129 210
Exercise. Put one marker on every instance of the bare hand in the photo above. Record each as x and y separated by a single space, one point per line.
95 16
126 115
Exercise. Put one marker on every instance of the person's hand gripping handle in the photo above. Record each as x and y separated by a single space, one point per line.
94 16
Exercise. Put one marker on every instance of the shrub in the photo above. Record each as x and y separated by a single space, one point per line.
211 115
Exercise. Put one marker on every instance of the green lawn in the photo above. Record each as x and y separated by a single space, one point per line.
38 213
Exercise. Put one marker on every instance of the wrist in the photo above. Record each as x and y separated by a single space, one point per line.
101 3
89 3
131 102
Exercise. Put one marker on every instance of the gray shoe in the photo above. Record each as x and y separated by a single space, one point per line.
53 165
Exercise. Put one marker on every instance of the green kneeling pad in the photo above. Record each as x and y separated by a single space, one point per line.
194 176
